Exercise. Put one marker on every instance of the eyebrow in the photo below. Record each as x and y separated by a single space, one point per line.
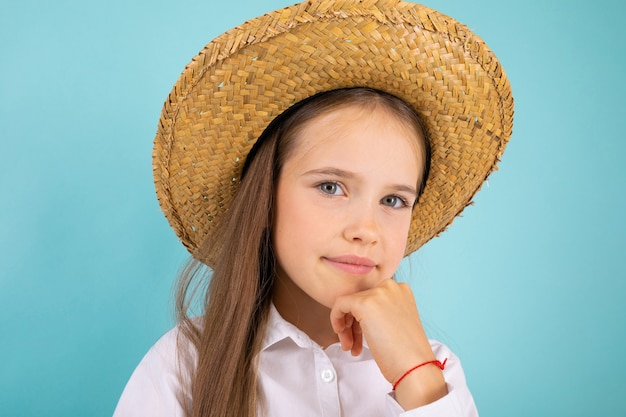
350 175
331 171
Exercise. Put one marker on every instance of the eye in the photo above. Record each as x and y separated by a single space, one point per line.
394 201
330 188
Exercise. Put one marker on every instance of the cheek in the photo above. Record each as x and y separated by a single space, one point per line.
293 227
397 238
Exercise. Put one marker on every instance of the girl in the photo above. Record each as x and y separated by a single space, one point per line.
301 156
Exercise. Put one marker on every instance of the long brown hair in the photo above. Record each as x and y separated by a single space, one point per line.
229 335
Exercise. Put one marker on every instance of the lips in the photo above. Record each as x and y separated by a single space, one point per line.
350 264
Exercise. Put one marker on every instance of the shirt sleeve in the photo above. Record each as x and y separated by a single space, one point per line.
154 389
457 403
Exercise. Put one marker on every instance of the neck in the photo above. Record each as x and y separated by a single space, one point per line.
302 311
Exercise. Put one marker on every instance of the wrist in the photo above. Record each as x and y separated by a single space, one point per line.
420 386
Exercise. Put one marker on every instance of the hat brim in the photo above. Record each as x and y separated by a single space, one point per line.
240 81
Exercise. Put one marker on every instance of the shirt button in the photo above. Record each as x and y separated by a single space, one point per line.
327 375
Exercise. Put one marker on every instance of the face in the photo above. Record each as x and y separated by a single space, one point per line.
343 204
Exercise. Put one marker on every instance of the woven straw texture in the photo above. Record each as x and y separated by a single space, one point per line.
231 90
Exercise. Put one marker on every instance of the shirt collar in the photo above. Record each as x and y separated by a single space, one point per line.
279 329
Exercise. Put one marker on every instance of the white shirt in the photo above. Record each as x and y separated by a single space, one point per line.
297 377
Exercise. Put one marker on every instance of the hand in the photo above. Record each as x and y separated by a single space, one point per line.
388 318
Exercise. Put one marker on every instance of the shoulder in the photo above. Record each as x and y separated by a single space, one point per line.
172 352
169 345
157 386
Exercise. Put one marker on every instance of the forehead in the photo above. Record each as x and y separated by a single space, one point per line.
356 126
358 139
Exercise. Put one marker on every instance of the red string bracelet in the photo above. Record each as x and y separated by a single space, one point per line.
435 362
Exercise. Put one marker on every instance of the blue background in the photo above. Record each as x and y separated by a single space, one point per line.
528 287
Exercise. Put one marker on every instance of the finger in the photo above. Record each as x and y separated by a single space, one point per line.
345 336
341 316
346 339
357 339
341 321
338 320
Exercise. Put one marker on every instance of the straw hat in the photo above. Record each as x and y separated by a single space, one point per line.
232 89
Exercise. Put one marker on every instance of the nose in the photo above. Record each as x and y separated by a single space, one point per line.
362 226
